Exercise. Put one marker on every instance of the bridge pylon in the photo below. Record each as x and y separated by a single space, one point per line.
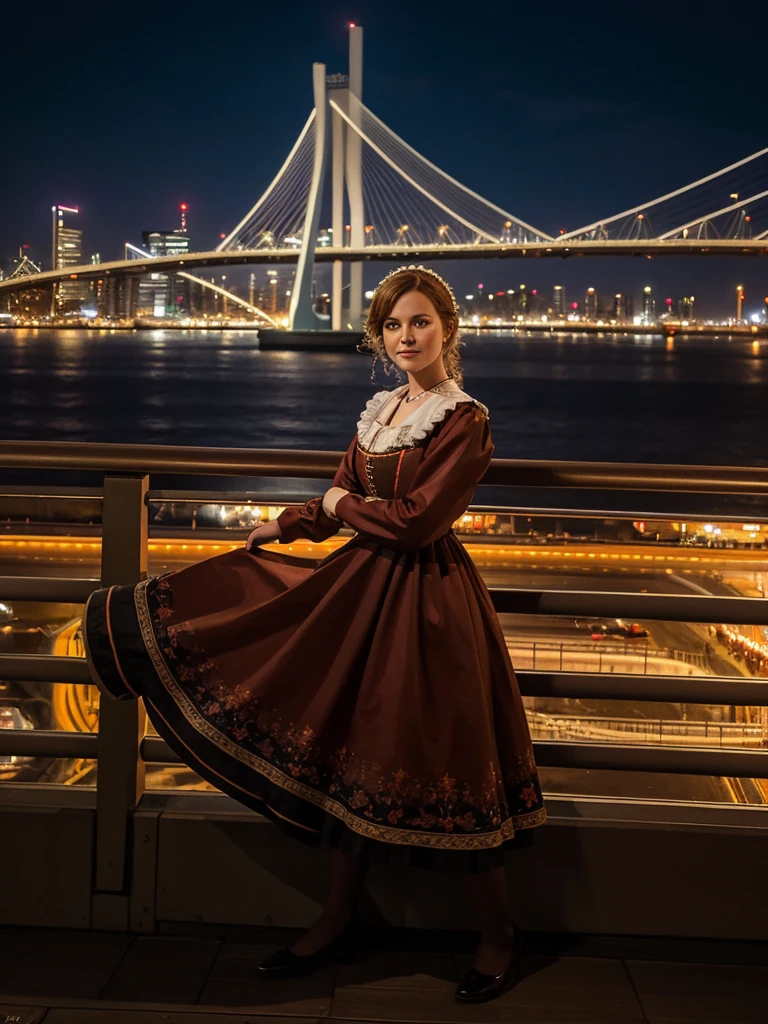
345 157
355 175
302 316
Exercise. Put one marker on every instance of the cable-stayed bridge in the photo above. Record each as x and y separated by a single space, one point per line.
385 201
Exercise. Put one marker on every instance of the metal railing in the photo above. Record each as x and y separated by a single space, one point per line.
569 656
651 730
121 744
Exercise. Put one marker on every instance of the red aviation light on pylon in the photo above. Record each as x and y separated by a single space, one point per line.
352 24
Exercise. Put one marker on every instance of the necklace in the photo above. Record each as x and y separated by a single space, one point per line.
421 394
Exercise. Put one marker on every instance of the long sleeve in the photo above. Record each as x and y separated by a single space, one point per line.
309 521
455 461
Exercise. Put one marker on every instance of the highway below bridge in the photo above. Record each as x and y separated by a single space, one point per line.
526 636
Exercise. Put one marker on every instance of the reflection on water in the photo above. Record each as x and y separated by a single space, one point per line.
607 398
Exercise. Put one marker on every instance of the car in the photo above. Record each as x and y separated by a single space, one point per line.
620 631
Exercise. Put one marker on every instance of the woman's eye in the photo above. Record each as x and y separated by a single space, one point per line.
421 323
390 326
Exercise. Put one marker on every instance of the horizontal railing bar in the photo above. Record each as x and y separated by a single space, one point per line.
750 611
44 668
42 743
652 757
39 491
130 458
518 601
47 588
156 750
223 498
548 753
643 477
608 756
719 690
171 459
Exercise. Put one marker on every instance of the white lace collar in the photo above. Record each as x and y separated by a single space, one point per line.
373 436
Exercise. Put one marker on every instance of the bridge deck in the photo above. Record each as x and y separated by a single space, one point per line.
206 974
398 254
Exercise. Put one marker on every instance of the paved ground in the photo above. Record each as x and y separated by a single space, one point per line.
68 977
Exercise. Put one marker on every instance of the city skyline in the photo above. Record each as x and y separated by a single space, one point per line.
558 292
522 121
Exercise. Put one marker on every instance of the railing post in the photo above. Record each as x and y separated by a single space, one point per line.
120 780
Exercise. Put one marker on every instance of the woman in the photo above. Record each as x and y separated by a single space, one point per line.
366 701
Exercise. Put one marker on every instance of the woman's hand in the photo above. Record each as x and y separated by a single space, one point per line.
331 496
265 533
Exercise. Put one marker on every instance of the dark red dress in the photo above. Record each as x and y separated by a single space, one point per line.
367 700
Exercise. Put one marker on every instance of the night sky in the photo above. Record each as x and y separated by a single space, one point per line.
560 113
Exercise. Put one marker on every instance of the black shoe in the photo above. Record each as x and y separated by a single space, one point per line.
285 964
476 987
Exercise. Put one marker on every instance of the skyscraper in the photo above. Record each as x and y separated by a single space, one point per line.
163 294
67 251
590 304
558 300
647 304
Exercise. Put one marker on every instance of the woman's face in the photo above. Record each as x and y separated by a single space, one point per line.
413 333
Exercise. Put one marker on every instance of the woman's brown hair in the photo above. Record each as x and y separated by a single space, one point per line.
392 289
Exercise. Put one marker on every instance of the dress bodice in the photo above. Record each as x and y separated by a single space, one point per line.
387 456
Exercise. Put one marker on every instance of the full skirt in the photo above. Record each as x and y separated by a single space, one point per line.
366 701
